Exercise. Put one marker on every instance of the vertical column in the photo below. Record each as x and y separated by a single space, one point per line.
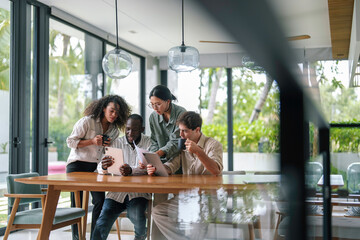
40 90
292 142
230 120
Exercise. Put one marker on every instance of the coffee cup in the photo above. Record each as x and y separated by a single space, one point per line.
105 138
181 144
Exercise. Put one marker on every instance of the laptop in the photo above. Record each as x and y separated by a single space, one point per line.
118 156
154 159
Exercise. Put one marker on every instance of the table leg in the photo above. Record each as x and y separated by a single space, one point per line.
85 207
51 202
78 205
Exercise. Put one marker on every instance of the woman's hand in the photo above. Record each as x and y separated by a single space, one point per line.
150 169
125 170
141 165
106 162
106 142
97 140
160 153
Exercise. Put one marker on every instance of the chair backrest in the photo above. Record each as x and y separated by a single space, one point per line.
353 177
21 188
233 173
267 173
313 173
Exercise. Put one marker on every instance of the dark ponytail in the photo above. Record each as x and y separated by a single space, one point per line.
162 92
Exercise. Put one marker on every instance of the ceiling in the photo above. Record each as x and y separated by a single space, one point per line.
155 25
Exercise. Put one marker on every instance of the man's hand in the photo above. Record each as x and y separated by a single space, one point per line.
150 169
106 162
191 146
97 140
125 170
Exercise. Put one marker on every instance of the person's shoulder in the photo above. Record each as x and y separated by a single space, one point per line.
84 120
153 115
212 141
179 108
119 142
145 140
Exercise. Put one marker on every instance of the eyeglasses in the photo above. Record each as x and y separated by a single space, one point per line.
155 105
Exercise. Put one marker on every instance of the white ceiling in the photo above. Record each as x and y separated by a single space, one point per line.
155 25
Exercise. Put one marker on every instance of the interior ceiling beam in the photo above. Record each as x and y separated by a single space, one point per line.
340 16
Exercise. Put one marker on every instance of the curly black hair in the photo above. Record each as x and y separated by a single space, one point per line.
96 107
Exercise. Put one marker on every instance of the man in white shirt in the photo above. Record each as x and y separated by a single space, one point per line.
116 202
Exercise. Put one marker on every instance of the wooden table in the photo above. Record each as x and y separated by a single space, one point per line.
336 181
85 181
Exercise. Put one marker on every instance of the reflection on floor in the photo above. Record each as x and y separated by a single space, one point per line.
61 234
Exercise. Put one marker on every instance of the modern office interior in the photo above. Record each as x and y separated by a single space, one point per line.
277 84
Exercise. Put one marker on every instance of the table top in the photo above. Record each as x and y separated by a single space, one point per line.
336 180
90 181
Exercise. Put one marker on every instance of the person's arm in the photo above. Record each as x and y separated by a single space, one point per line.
210 164
76 138
106 162
97 140
151 169
171 146
154 143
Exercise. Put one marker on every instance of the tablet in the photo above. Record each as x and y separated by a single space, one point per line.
154 159
117 154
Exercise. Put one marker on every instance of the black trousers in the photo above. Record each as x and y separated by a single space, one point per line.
97 197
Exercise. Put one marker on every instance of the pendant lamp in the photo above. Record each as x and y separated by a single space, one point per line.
117 63
183 58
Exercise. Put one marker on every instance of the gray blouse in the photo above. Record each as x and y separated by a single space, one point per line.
164 135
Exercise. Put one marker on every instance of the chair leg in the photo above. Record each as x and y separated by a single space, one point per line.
11 219
149 219
118 228
277 225
251 231
79 225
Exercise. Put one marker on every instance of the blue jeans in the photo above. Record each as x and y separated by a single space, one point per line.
110 212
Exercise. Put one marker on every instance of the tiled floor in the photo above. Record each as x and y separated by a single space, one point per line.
60 234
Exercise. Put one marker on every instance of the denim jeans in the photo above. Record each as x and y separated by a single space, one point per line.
136 208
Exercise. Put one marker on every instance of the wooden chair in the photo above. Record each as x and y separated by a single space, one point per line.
148 215
24 194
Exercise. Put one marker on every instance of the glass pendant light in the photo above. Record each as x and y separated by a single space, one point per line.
117 63
183 58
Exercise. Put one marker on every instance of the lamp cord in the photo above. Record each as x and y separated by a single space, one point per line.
182 22
117 34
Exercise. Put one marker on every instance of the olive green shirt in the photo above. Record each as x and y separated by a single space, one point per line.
164 135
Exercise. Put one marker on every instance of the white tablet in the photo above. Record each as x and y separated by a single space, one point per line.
154 159
118 156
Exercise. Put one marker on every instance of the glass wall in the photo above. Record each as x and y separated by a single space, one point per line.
129 87
4 104
255 96
70 89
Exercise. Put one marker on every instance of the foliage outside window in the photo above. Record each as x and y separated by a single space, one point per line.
247 87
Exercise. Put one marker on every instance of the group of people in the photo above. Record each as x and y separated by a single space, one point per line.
101 126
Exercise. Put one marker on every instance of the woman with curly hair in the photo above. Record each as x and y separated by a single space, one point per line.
98 128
